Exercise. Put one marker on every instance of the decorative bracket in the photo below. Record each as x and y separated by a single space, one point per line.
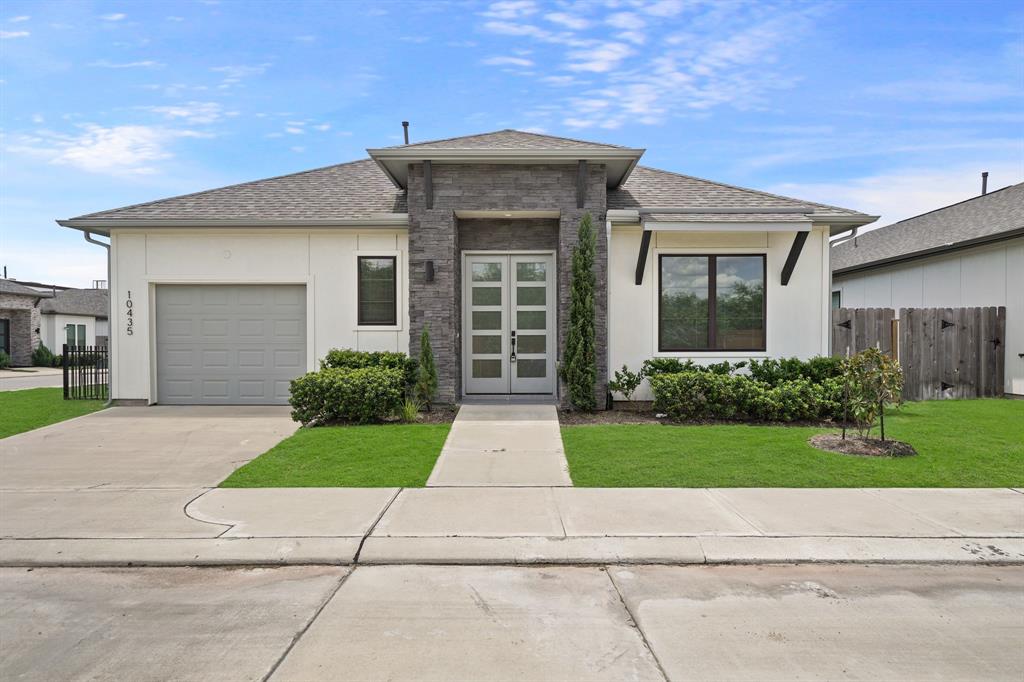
641 259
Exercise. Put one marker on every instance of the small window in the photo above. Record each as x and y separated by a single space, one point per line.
75 334
711 303
377 291
837 300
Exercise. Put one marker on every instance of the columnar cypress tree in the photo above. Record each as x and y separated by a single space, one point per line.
579 365
426 379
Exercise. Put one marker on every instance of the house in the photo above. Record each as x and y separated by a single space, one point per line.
965 255
77 317
223 296
19 321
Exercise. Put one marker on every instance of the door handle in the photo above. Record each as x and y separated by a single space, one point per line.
512 358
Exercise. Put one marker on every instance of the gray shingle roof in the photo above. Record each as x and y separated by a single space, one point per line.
8 286
984 216
357 189
508 139
652 187
92 302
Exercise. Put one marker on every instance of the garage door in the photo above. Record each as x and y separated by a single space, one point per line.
229 345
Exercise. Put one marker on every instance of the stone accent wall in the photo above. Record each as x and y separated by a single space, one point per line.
435 235
485 234
25 320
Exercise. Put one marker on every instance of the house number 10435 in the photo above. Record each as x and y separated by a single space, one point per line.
128 312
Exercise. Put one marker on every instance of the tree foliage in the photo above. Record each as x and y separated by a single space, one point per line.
426 379
873 380
579 366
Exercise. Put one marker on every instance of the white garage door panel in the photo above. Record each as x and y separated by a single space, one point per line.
227 344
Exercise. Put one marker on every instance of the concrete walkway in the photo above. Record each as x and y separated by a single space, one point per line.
503 445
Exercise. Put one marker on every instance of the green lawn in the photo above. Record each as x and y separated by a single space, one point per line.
965 443
379 456
34 407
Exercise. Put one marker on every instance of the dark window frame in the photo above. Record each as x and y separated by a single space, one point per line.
6 324
712 259
359 292
834 301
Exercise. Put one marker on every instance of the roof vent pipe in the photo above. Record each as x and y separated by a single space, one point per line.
405 130
984 183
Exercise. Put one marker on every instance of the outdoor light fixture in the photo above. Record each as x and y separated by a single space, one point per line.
429 271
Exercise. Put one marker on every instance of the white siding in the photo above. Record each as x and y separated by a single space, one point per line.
991 275
52 330
324 261
797 322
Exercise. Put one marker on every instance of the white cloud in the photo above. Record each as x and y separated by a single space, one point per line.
174 18
510 9
20 18
626 20
507 61
572 21
298 150
295 130
144 64
599 59
323 127
945 90
127 150
117 16
665 8
192 112
7 35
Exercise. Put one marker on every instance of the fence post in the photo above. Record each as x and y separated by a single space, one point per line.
64 366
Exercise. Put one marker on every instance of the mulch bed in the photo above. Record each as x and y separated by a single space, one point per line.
864 447
438 414
625 415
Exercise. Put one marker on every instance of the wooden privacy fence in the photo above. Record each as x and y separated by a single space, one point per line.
86 372
944 352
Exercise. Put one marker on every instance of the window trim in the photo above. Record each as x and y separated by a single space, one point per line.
712 259
359 292
833 301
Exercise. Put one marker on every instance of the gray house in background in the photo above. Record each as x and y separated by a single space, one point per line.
19 321
965 255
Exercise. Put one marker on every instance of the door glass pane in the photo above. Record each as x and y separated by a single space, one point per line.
531 295
683 308
486 319
739 302
486 295
532 343
486 272
487 369
81 335
531 272
530 319
486 344
531 369
69 331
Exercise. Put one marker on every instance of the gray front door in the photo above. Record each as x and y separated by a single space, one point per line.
220 344
509 324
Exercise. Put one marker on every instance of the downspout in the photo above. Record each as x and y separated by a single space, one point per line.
110 318
843 240
607 309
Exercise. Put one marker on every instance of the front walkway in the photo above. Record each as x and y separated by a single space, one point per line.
503 445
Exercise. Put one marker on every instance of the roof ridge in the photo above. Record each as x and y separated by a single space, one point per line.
217 189
506 130
752 191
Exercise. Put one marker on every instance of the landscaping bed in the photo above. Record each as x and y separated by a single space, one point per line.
32 408
960 443
864 447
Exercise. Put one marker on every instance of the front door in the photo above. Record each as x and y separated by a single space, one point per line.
509 324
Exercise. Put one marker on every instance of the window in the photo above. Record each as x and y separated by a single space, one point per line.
837 300
75 334
711 303
377 289
5 336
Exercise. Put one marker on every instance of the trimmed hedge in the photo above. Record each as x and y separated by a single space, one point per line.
817 369
341 394
695 395
345 358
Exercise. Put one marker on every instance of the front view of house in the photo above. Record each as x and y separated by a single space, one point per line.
224 296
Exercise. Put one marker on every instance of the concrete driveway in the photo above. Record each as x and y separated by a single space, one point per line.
128 472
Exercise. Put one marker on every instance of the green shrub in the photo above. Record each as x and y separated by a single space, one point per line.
42 357
5 359
367 394
875 380
426 376
675 366
409 412
773 371
626 382
345 358
579 364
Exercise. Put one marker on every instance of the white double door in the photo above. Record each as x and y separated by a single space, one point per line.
509 323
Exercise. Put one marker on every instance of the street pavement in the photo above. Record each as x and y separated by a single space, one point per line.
36 377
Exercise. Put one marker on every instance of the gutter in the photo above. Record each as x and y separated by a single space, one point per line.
110 326
104 225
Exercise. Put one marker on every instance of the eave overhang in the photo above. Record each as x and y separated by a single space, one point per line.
105 225
394 161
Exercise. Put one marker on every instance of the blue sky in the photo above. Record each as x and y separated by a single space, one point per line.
886 107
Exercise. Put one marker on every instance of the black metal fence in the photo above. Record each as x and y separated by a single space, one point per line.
86 372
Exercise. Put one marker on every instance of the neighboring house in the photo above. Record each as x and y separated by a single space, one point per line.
19 321
224 296
77 317
965 255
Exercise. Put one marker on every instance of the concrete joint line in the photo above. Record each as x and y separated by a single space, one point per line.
373 526
728 506
305 628
917 515
636 624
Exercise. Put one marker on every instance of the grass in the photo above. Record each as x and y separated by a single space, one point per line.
31 408
964 443
378 456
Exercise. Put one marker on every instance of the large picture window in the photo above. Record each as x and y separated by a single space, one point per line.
708 303
377 291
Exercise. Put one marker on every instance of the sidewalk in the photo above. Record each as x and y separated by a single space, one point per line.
545 525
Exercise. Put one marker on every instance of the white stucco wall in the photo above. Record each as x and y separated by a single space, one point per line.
991 275
53 335
322 260
797 314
